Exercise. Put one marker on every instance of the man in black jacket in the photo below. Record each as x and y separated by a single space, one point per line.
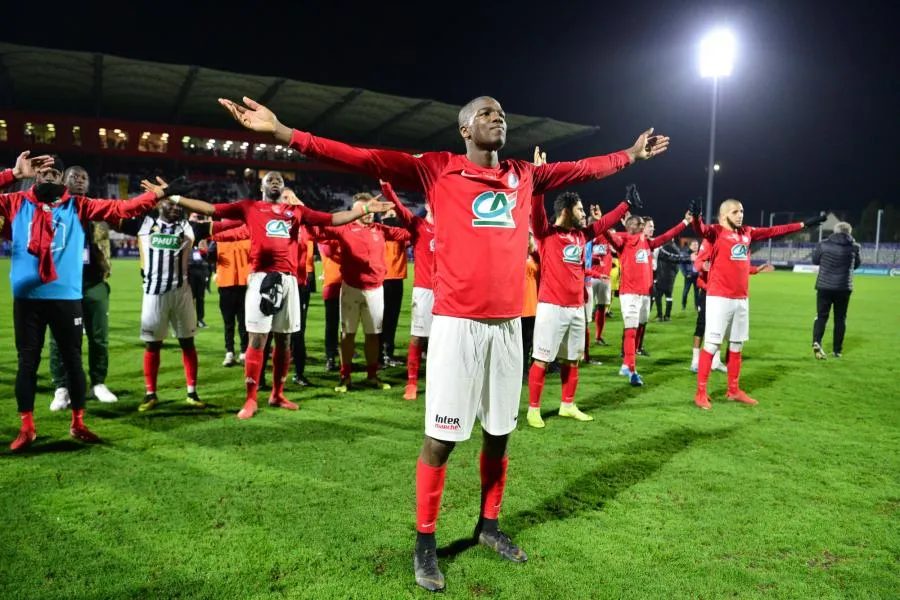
837 257
668 261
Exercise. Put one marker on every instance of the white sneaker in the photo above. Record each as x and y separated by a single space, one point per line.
718 365
102 393
61 400
229 360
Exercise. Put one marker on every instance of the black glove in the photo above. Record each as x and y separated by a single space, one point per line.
632 197
179 187
696 207
815 220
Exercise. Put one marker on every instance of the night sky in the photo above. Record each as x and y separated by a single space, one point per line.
807 121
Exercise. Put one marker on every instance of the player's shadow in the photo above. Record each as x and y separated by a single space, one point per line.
594 489
54 447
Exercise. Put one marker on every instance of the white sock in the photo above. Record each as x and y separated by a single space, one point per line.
191 389
695 356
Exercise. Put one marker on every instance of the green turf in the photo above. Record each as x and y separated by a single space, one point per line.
795 498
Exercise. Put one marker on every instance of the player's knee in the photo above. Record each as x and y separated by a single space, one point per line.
186 343
435 453
153 346
735 347
494 446
710 347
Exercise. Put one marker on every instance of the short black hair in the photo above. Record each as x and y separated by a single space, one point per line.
566 200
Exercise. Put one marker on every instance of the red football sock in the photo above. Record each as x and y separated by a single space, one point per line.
734 371
27 420
189 359
253 360
77 417
281 361
639 342
151 369
536 377
429 487
372 371
493 481
413 360
600 321
703 369
346 370
630 348
569 376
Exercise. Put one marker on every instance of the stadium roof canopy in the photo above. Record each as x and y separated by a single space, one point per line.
100 85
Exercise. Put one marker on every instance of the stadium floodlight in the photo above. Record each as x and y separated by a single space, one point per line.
716 60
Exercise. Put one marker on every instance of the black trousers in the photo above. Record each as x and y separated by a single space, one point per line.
31 319
298 339
332 325
393 300
231 304
197 279
663 291
825 301
700 328
690 282
527 339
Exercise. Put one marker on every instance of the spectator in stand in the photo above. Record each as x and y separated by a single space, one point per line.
837 257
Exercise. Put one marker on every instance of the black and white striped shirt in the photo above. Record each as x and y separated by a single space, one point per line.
165 253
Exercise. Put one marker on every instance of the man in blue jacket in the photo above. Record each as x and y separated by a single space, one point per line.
47 226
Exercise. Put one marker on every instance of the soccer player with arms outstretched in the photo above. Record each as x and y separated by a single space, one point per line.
422 231
362 291
635 250
481 207
727 307
273 301
560 325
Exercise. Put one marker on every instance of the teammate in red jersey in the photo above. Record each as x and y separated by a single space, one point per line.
635 250
481 207
362 291
560 323
701 265
727 309
273 301
601 284
422 231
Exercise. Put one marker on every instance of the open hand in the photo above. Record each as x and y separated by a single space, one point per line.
252 115
540 158
27 167
648 145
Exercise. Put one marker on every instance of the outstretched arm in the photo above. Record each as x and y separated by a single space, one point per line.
554 175
231 234
404 215
342 217
390 165
114 210
608 220
764 233
670 234
161 188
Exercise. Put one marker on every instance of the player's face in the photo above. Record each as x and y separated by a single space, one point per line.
170 211
49 176
272 186
488 128
735 215
366 219
694 246
634 225
649 228
579 219
77 181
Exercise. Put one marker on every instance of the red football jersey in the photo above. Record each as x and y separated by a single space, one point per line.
362 251
480 214
729 271
636 258
601 256
562 254
422 233
273 231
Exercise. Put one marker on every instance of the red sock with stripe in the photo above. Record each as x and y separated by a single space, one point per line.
429 488
413 361
151 369
536 377
493 482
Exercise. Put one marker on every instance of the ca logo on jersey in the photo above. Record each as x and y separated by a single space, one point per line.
278 229
642 256
572 254
739 252
165 241
494 209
